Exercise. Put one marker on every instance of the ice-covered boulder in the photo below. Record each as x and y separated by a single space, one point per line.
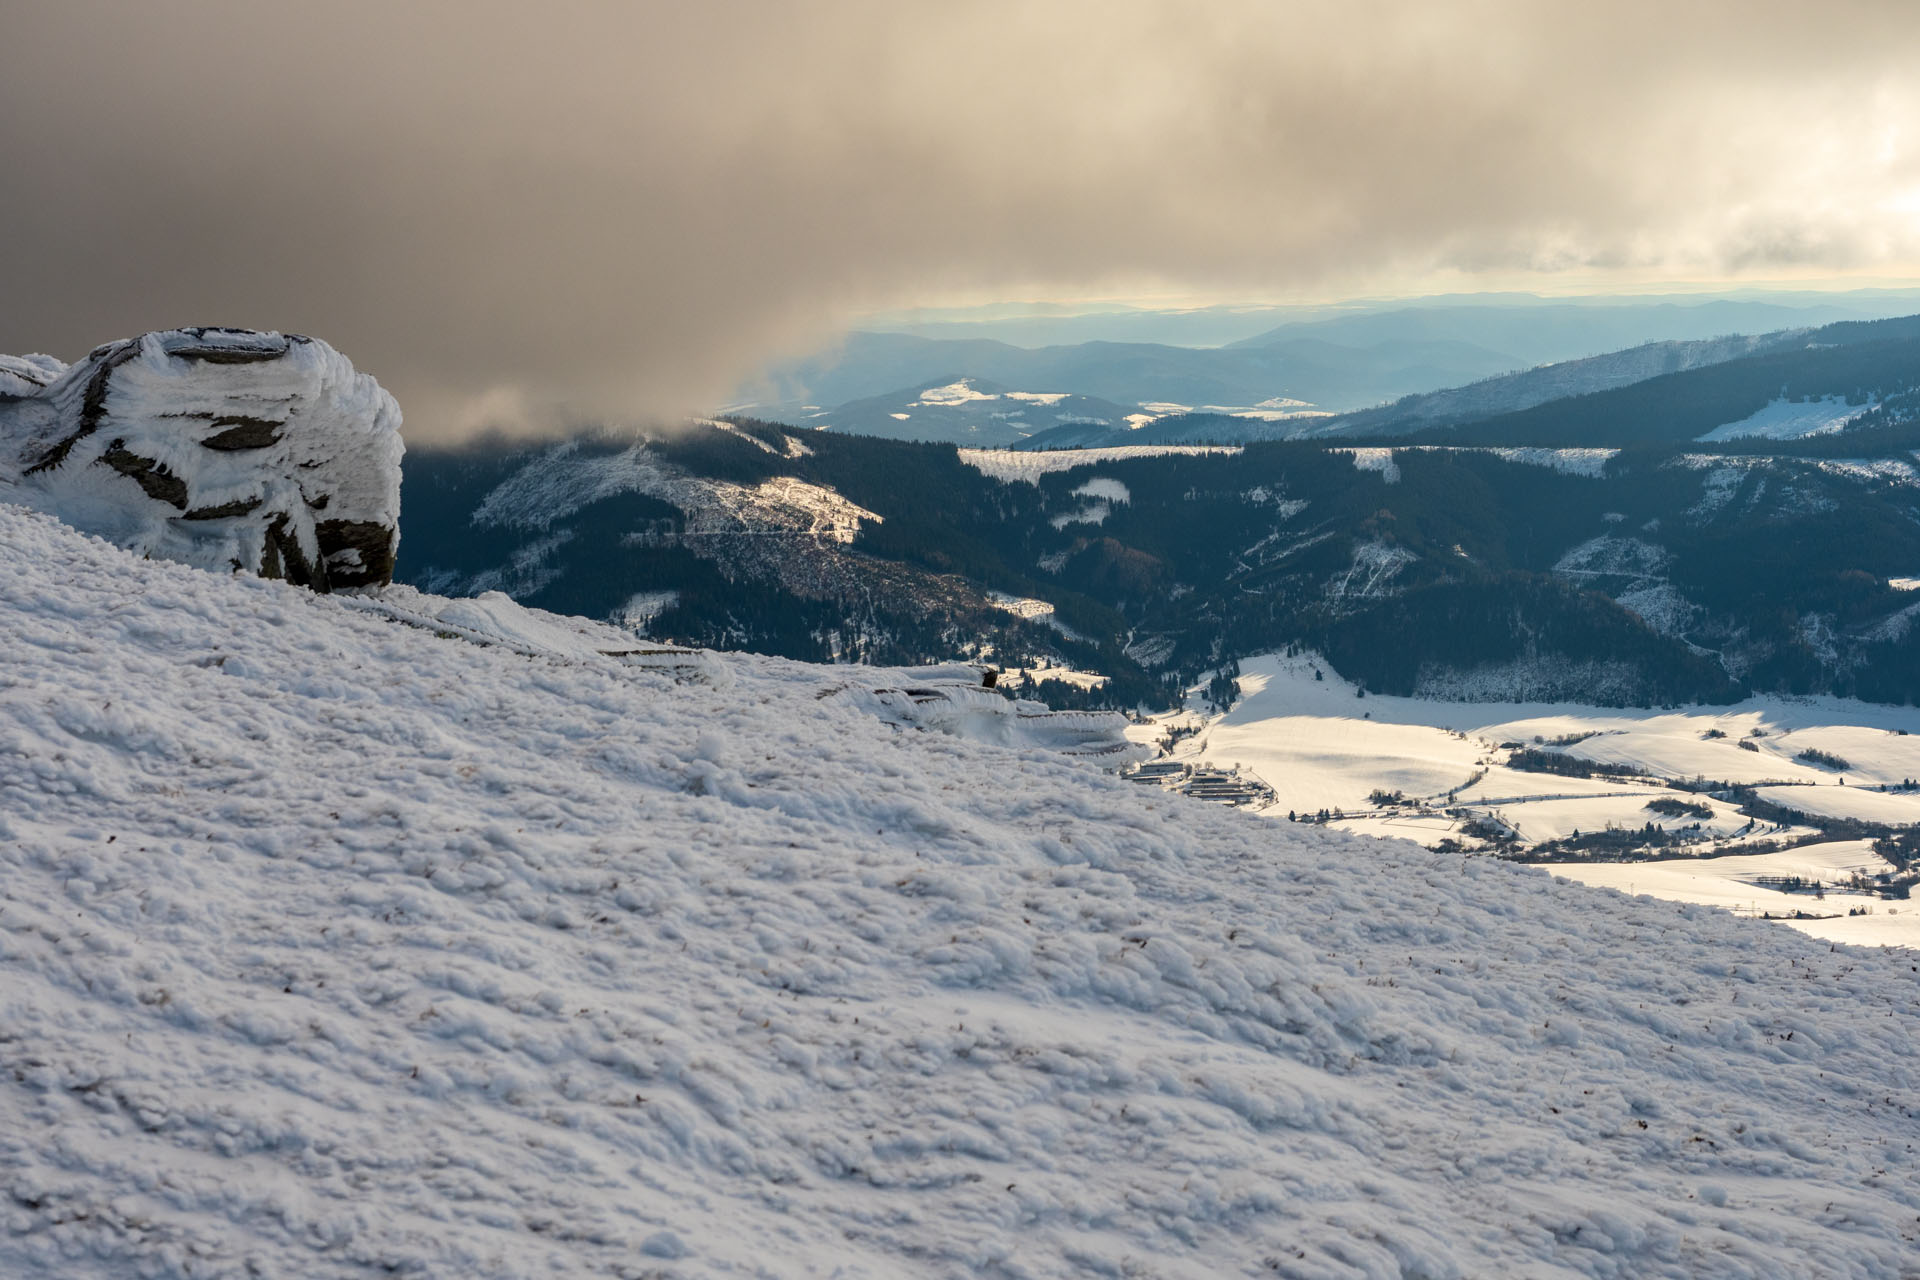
223 448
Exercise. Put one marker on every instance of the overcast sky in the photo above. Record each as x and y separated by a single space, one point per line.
527 213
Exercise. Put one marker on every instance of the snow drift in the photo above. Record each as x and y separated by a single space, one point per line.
952 700
334 947
221 448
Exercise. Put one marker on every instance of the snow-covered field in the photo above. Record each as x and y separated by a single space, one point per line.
1591 463
331 946
1321 745
1330 746
1900 807
1738 883
1792 420
1008 465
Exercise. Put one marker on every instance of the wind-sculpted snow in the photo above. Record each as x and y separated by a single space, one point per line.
333 947
222 448
966 710
22 376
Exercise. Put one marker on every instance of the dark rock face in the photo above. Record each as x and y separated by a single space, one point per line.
160 484
223 448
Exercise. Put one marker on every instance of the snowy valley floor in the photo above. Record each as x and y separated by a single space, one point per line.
330 947
1319 743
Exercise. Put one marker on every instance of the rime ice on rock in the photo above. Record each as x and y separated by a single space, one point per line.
222 448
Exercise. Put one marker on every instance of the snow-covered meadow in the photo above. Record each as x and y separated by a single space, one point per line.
1792 420
1011 466
1321 744
1748 885
334 942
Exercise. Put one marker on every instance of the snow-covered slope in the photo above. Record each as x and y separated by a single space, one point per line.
1792 420
222 448
330 946
1009 466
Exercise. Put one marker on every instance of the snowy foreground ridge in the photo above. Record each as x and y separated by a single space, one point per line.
331 946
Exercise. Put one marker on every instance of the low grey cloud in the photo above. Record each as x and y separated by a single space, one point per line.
518 216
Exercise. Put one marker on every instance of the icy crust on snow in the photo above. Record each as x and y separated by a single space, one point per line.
331 947
221 448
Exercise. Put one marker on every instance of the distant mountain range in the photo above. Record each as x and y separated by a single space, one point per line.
1341 364
1593 548
891 370
1612 399
1535 330
976 413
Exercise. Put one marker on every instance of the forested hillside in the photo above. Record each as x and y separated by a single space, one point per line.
1659 573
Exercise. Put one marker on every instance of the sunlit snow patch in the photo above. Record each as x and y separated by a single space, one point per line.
1375 564
564 479
1278 409
1105 492
1033 611
1007 465
1791 420
1380 460
1750 885
1591 463
720 424
1104 488
1019 606
1012 676
1092 513
1871 470
954 393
